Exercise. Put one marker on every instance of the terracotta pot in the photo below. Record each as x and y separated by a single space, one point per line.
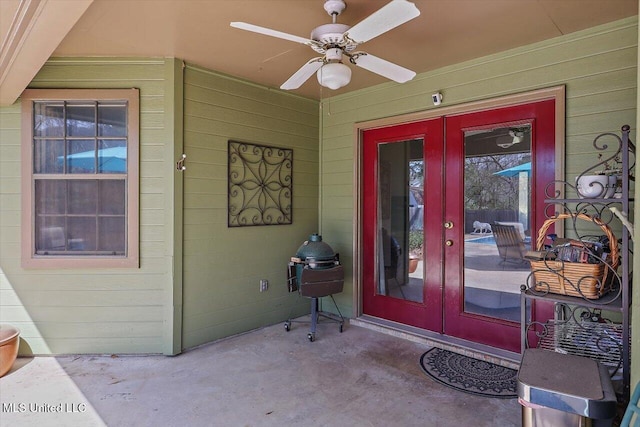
9 340
413 265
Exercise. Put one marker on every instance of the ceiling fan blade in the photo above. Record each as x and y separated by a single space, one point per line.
384 68
270 32
388 17
303 74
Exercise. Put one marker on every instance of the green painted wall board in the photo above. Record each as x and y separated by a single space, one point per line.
223 266
174 101
94 311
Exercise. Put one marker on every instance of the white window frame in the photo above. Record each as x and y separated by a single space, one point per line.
29 257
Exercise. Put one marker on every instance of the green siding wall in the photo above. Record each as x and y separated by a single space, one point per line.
598 67
223 266
94 311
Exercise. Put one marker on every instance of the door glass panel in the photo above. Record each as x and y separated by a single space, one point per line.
400 231
497 210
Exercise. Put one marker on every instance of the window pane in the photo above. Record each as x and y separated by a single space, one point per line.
112 197
48 156
112 156
82 233
81 120
50 235
83 197
48 119
81 156
497 193
78 214
67 217
400 231
112 234
50 196
112 119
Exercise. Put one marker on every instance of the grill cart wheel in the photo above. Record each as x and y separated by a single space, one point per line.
287 326
311 337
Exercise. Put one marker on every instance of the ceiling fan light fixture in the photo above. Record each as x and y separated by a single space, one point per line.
334 75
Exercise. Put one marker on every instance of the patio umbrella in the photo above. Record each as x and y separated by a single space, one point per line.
112 160
522 172
515 171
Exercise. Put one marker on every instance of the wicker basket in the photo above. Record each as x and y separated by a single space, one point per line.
589 281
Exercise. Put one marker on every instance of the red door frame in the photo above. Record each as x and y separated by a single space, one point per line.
441 285
491 331
428 314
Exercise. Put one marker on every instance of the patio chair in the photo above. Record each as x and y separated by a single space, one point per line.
510 243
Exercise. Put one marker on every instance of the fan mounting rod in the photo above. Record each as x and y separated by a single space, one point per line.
334 8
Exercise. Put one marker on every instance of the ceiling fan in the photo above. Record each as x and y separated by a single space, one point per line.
516 135
335 42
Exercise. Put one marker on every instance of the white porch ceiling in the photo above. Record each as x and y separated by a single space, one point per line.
198 31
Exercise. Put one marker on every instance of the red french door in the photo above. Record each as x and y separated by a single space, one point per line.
482 292
402 186
431 191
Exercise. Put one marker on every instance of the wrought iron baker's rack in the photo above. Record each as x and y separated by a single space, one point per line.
578 326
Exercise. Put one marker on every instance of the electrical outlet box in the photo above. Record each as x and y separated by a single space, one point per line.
264 285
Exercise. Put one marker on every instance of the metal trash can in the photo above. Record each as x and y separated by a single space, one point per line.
558 389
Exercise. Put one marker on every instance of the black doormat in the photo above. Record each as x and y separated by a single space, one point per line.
469 375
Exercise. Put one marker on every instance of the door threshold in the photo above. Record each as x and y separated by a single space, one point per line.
494 355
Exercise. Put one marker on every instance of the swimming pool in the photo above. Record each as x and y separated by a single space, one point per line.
490 240
487 240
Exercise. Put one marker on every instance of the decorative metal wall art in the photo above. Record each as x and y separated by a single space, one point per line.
260 185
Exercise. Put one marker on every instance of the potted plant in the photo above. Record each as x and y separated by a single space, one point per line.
416 242
613 169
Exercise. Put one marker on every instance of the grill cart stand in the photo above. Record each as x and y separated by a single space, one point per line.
314 284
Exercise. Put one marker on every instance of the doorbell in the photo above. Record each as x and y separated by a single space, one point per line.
436 98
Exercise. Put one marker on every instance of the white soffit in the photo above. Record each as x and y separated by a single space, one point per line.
31 30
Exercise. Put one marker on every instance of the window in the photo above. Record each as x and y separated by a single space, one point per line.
80 178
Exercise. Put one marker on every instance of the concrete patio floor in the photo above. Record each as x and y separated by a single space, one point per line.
268 377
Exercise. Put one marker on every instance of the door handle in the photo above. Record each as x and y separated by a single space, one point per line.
448 225
449 242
